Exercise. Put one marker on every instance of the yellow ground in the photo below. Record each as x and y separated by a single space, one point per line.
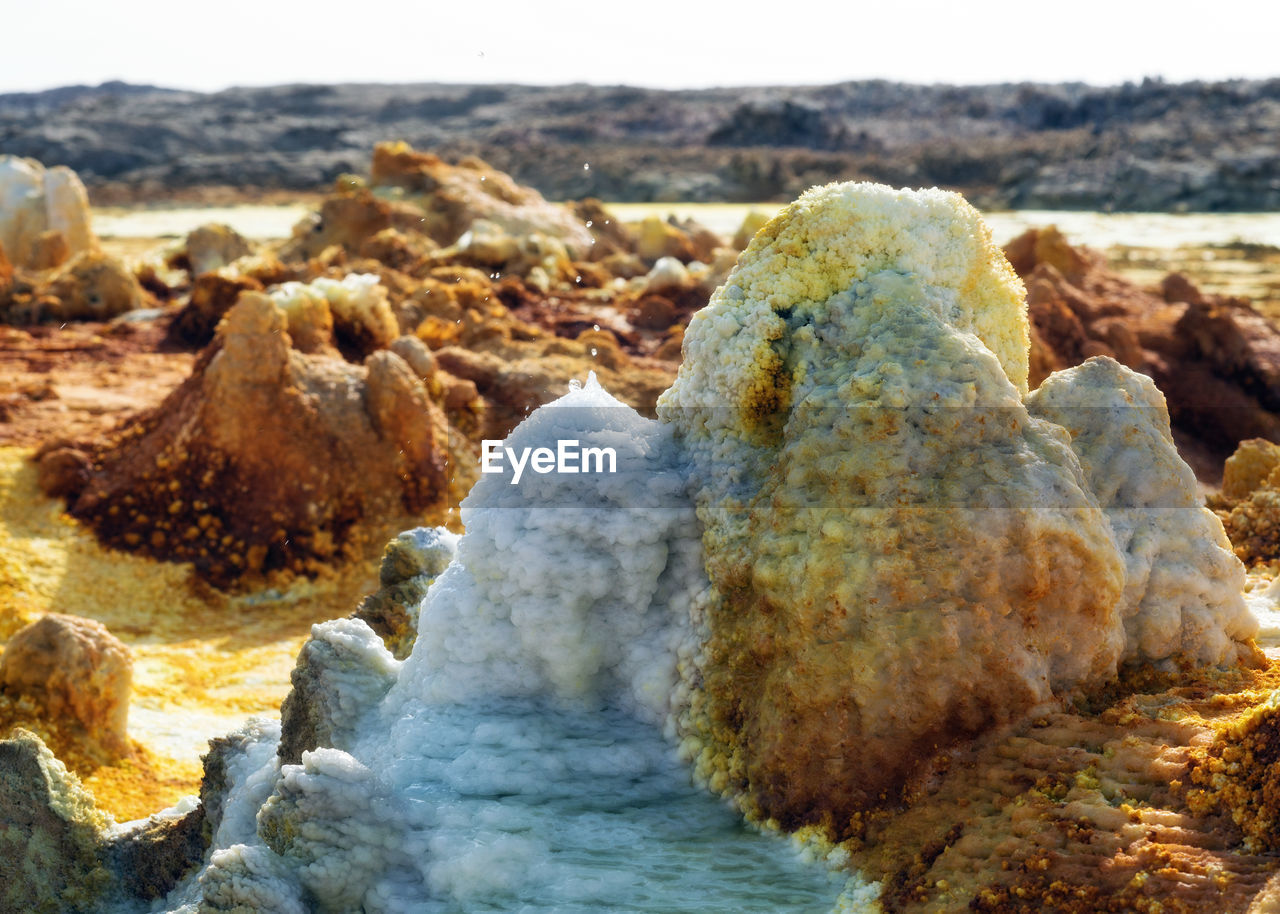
203 660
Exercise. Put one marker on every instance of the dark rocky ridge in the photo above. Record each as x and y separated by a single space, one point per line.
1152 146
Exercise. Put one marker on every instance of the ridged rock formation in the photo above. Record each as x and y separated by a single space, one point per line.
265 457
78 672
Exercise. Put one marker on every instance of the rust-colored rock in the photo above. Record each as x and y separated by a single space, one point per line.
1249 503
212 296
453 197
6 276
94 286
1216 359
49 250
266 457
346 219
1239 343
611 235
397 249
1250 468
63 471
78 671
1240 774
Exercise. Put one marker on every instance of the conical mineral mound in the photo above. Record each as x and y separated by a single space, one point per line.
902 557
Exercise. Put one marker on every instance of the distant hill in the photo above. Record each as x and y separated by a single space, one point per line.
1151 146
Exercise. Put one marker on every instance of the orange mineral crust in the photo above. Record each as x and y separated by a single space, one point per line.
1089 810
203 659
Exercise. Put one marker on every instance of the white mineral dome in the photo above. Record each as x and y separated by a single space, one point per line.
34 200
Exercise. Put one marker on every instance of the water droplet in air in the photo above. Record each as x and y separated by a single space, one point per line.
595 326
588 223
593 351
586 166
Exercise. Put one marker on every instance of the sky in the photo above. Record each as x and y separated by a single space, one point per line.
653 43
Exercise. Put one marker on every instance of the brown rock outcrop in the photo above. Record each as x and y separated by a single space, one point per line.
350 219
266 457
90 286
210 247
212 296
76 670
1216 359
410 563
1249 504
453 197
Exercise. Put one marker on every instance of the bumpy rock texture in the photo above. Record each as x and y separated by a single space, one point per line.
1239 773
51 836
1249 504
410 563
861 371
50 268
1183 587
265 457
456 197
343 671
78 671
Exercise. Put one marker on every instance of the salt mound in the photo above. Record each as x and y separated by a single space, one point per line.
851 402
515 763
568 583
836 565
35 200
1183 586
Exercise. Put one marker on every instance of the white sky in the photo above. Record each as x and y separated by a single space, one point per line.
657 43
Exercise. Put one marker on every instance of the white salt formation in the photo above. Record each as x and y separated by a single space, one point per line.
1184 587
35 200
890 554
568 584
355 308
518 763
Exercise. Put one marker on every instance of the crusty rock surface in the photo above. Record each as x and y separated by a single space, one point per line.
862 372
455 197
343 670
265 457
78 671
89 286
1249 504
410 563
50 268
211 246
1238 772
869 432
51 836
1183 584
352 312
